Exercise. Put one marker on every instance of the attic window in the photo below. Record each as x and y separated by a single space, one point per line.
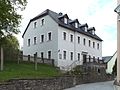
85 29
76 25
65 20
93 32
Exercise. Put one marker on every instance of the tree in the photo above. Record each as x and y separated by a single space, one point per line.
11 48
9 20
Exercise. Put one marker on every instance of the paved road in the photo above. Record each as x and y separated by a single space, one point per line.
96 86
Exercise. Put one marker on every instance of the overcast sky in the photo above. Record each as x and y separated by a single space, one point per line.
97 13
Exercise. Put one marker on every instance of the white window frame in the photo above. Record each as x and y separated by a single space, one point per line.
93 44
76 25
65 55
48 36
78 56
41 38
65 20
89 43
65 36
35 41
48 54
71 55
35 24
98 46
42 21
84 41
78 40
28 42
41 54
71 40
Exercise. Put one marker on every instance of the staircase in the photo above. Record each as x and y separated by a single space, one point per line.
69 67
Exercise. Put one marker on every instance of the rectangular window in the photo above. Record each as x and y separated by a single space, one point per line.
71 38
78 39
93 44
49 36
84 41
89 58
35 41
71 55
98 46
64 54
42 55
42 38
89 43
78 56
28 42
35 25
42 22
64 35
49 54
65 20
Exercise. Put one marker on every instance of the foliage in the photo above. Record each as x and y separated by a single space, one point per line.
11 48
78 70
114 72
9 18
26 70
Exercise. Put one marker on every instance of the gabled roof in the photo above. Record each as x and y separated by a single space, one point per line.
55 16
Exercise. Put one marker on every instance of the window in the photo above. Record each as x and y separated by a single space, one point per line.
71 38
85 29
28 42
98 46
49 54
89 58
89 43
42 38
42 22
78 56
78 39
71 55
35 25
98 59
64 54
49 36
64 35
35 40
65 20
42 55
76 25
93 58
84 41
93 44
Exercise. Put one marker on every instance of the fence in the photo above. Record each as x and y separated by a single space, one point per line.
36 59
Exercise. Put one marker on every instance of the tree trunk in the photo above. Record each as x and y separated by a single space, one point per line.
2 58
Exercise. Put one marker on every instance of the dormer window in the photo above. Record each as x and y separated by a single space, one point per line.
93 32
76 25
85 29
65 20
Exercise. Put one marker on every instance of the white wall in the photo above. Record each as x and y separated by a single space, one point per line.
49 26
75 47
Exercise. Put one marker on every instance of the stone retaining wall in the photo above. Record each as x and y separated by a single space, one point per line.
54 83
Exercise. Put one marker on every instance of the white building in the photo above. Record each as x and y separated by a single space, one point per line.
54 35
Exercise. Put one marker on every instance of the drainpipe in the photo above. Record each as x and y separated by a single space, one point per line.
74 47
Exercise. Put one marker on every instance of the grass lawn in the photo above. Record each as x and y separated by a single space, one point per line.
26 70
